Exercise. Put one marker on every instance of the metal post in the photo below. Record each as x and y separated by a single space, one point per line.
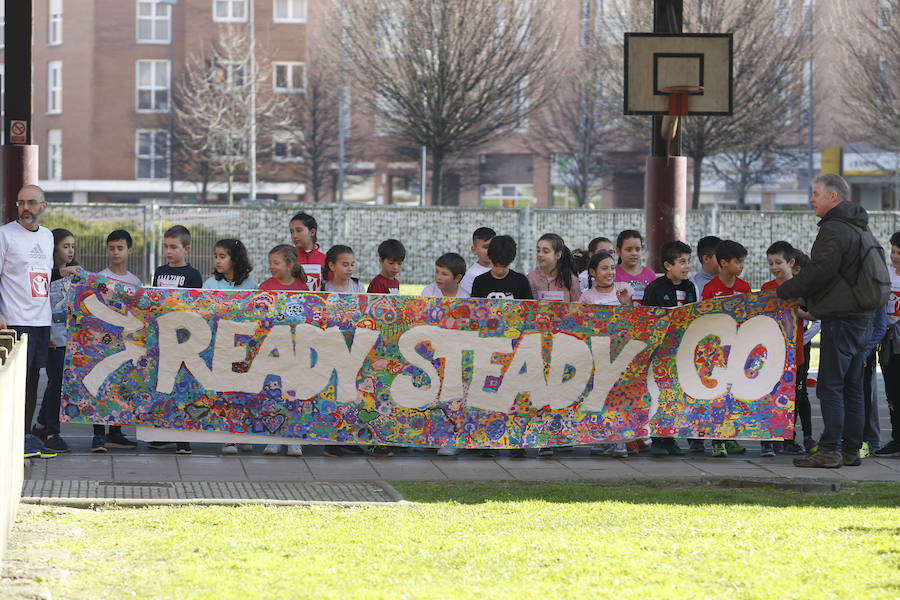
171 165
422 176
342 117
252 142
812 119
19 157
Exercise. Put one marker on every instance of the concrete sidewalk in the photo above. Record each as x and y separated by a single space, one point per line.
145 476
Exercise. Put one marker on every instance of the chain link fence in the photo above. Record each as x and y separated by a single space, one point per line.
426 232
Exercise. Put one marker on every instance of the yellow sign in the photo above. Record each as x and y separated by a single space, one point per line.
831 160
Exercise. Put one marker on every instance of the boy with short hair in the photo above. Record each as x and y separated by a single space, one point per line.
671 290
176 273
481 239
391 255
448 271
500 281
730 256
119 247
709 266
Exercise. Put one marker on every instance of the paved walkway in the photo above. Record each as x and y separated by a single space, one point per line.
148 476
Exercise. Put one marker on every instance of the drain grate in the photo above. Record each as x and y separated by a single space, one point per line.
61 491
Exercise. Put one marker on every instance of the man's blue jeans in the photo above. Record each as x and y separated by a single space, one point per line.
840 386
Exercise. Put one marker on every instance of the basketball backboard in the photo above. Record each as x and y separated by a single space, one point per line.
654 61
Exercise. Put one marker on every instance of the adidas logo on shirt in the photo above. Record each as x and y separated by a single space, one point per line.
36 253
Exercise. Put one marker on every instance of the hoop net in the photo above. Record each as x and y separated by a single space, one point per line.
678 97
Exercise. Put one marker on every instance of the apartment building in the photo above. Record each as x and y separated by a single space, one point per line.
104 73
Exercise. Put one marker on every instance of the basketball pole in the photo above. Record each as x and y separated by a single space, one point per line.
665 182
19 156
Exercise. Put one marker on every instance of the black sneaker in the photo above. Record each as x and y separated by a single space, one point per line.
182 448
488 453
160 445
356 450
333 451
117 440
889 449
98 444
39 432
518 453
55 442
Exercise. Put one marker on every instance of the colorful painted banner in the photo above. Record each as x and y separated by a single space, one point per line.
405 370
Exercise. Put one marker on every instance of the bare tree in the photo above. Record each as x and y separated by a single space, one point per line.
768 58
212 107
871 107
313 125
449 75
583 121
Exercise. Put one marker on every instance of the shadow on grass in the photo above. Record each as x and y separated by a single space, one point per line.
862 495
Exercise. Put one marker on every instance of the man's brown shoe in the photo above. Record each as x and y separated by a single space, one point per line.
826 459
851 459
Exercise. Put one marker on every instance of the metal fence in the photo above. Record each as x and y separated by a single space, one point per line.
426 232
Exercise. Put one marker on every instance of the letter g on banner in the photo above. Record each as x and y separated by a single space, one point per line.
758 331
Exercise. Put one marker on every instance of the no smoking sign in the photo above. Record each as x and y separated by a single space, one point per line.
18 132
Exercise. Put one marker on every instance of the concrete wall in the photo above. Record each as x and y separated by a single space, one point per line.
12 436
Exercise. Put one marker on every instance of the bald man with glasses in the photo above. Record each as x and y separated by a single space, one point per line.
26 264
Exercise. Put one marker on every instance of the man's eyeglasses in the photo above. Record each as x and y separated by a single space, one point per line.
28 203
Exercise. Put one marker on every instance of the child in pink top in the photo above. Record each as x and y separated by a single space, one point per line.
604 288
554 278
287 274
630 248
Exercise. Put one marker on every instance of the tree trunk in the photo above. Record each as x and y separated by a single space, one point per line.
698 173
584 183
740 190
230 179
437 175
204 185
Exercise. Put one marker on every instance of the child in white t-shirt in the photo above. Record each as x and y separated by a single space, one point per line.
448 271
481 239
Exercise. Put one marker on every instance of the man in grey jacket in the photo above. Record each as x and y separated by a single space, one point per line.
825 286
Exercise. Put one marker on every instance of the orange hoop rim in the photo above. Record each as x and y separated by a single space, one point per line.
682 89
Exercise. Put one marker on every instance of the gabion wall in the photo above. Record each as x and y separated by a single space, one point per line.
426 232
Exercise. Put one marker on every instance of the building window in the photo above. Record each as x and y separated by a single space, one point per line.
290 11
2 24
152 86
508 196
154 21
54 154
808 16
54 86
286 148
230 75
782 19
384 110
290 77
518 109
883 18
390 25
781 95
230 10
55 22
611 21
152 154
345 104
227 147
585 23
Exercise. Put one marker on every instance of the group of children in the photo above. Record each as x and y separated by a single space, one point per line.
606 273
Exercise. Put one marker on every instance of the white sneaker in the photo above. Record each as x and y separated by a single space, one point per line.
295 450
229 449
445 451
271 449
245 447
619 450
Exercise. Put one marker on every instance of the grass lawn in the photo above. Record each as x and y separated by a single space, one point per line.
491 540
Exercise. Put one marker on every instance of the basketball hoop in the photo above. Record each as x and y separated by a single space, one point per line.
678 97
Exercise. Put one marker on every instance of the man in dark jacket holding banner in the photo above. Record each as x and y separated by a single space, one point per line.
835 290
